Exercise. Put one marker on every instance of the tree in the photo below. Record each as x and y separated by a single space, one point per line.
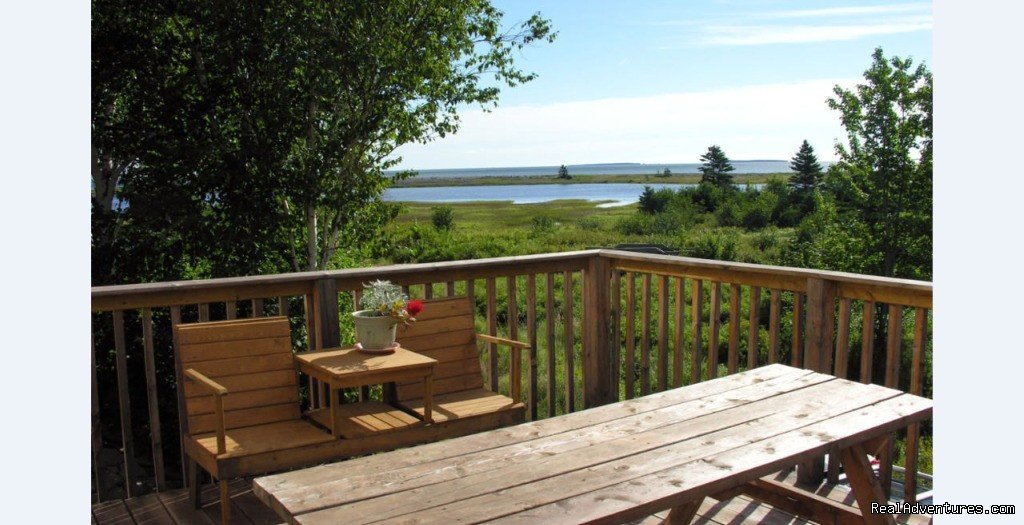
442 217
715 168
654 201
882 183
807 171
256 136
563 172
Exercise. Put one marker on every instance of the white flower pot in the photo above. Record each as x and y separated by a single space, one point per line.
374 332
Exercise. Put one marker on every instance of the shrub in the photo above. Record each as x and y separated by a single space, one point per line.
540 224
443 217
712 244
654 201
589 224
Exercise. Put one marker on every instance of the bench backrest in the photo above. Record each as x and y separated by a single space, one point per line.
444 330
252 358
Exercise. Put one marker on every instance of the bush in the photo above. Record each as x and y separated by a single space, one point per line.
443 217
540 224
712 244
589 224
638 224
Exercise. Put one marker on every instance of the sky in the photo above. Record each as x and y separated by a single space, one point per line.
660 81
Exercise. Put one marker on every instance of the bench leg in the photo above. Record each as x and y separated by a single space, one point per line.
225 502
683 514
193 483
866 487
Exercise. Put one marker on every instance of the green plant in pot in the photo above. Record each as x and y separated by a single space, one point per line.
384 308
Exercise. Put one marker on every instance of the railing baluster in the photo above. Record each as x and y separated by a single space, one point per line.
867 342
513 333
734 328
616 313
677 353
230 309
492 329
155 436
843 338
124 403
713 327
471 291
755 325
630 367
450 288
257 308
549 313
428 290
894 335
570 373
696 312
97 437
773 327
204 312
662 332
179 380
645 335
796 356
531 336
282 305
913 431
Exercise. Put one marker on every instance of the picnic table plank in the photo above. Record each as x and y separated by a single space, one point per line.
643 496
351 488
533 482
511 435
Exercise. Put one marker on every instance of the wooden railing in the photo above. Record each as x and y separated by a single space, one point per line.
578 310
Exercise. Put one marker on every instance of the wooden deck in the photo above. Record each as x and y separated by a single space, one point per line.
173 507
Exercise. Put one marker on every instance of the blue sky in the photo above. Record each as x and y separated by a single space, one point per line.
659 81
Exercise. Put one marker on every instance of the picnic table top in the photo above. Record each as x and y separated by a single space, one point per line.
612 463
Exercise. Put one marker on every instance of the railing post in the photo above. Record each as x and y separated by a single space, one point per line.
597 367
821 305
325 300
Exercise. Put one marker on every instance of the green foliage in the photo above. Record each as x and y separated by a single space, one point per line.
654 201
542 224
442 217
807 172
715 168
881 220
665 173
563 172
719 244
589 224
237 139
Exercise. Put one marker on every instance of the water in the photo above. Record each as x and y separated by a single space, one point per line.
620 168
616 194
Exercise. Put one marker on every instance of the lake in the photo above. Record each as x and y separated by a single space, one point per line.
617 168
617 194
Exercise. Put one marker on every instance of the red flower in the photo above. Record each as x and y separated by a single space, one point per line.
414 307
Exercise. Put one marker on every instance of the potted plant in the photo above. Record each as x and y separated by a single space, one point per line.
384 308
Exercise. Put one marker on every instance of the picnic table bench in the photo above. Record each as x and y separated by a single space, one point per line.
615 463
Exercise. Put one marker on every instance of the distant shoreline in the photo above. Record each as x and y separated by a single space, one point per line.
688 178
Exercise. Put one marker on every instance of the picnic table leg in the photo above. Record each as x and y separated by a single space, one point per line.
193 483
683 514
866 487
225 502
428 399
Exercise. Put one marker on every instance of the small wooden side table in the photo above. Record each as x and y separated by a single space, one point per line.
347 367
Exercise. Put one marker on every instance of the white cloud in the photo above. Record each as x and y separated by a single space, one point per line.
761 35
847 11
752 122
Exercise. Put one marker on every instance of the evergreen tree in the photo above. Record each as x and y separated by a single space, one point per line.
716 167
563 172
807 171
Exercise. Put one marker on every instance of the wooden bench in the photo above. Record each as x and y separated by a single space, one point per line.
241 398
446 331
619 462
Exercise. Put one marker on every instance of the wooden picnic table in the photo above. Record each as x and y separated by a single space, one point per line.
614 463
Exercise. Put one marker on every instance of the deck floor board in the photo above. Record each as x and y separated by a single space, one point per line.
174 507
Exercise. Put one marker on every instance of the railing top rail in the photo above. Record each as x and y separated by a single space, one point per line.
208 290
711 264
869 287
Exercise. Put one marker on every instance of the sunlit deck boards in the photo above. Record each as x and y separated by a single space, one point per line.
173 507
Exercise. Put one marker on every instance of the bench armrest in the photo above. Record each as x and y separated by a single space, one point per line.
218 392
515 369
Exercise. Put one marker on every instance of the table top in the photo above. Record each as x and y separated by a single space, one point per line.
613 463
348 362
